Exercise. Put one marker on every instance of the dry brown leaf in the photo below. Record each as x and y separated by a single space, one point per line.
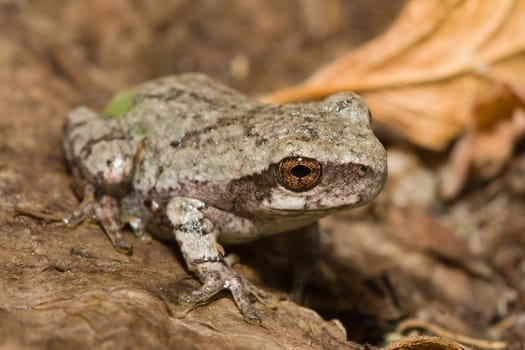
418 228
421 230
444 339
422 77
425 343
497 122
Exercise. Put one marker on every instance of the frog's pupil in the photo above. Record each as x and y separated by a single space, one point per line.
300 171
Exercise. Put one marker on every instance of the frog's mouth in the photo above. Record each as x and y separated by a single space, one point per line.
312 210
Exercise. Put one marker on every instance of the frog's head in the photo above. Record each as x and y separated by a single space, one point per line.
326 159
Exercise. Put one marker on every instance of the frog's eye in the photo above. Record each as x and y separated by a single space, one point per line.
298 173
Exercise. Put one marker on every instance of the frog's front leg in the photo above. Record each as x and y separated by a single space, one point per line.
197 238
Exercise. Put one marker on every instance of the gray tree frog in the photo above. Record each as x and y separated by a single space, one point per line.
188 158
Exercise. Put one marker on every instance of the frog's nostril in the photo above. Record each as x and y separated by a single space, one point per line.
300 171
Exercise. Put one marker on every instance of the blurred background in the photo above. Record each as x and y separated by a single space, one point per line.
439 252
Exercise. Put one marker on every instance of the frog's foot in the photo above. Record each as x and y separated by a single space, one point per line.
138 228
46 217
84 210
261 295
106 212
217 276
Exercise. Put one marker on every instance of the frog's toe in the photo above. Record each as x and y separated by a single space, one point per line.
123 246
217 277
144 237
212 285
252 317
240 292
138 228
261 295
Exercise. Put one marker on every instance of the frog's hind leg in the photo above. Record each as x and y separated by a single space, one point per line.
107 213
84 211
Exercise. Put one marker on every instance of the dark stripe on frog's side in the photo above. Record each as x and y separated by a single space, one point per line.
69 126
256 188
163 97
112 132
228 197
87 148
240 194
234 197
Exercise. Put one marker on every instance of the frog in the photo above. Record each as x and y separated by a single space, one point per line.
188 159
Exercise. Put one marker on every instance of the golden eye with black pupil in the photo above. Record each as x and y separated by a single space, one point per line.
298 173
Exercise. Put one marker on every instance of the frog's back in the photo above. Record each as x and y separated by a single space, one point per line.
193 128
171 123
176 106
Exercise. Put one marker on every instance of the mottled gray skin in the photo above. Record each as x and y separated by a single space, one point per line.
195 160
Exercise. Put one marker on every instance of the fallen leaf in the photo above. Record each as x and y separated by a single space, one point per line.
420 281
423 76
425 343
421 230
418 228
497 122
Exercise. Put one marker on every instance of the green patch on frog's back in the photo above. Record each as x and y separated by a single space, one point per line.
120 104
